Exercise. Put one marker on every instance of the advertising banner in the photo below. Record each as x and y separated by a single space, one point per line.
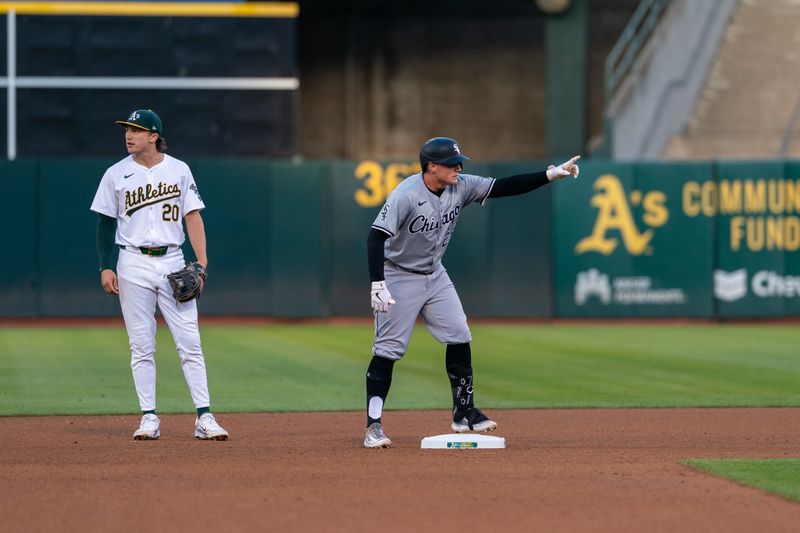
757 208
624 246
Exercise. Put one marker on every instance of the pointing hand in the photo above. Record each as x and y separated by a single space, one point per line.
564 169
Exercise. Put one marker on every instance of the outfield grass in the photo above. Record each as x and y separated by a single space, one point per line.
779 476
85 370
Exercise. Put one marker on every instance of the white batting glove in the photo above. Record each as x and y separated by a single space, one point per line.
380 298
564 169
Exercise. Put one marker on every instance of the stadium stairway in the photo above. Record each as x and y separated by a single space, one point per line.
750 104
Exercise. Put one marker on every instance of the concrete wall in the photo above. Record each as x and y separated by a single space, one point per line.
378 79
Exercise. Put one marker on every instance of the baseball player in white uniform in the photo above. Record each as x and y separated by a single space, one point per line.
405 248
141 204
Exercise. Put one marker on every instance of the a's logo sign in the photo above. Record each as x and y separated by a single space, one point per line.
614 214
730 286
134 117
592 283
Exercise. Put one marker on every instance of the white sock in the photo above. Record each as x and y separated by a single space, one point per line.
375 407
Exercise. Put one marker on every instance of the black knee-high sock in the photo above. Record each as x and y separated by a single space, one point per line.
458 362
379 379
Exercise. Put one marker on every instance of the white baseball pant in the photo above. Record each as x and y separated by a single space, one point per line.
142 285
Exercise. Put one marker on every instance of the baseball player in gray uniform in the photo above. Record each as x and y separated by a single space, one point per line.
405 248
141 204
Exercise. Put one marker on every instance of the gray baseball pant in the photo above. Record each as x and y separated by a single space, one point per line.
431 295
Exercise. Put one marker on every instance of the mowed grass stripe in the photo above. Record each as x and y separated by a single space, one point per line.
304 367
778 476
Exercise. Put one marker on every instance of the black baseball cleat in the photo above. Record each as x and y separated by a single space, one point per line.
472 420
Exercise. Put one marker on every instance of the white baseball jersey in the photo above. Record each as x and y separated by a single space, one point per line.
421 224
148 203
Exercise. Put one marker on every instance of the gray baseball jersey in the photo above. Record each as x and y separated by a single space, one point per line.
421 224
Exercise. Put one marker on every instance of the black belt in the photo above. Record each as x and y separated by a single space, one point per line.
157 251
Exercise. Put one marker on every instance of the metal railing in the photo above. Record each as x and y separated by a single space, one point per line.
636 33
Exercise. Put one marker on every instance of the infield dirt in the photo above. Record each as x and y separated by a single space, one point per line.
563 470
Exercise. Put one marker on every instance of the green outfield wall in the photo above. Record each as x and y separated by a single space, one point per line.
701 239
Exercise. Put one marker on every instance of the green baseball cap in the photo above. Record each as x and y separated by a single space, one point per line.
144 119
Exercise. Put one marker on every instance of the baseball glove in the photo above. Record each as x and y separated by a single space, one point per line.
187 283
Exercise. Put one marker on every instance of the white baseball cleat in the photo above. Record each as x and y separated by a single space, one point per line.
148 428
374 437
207 428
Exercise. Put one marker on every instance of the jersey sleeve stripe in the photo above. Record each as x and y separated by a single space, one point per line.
486 197
386 231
